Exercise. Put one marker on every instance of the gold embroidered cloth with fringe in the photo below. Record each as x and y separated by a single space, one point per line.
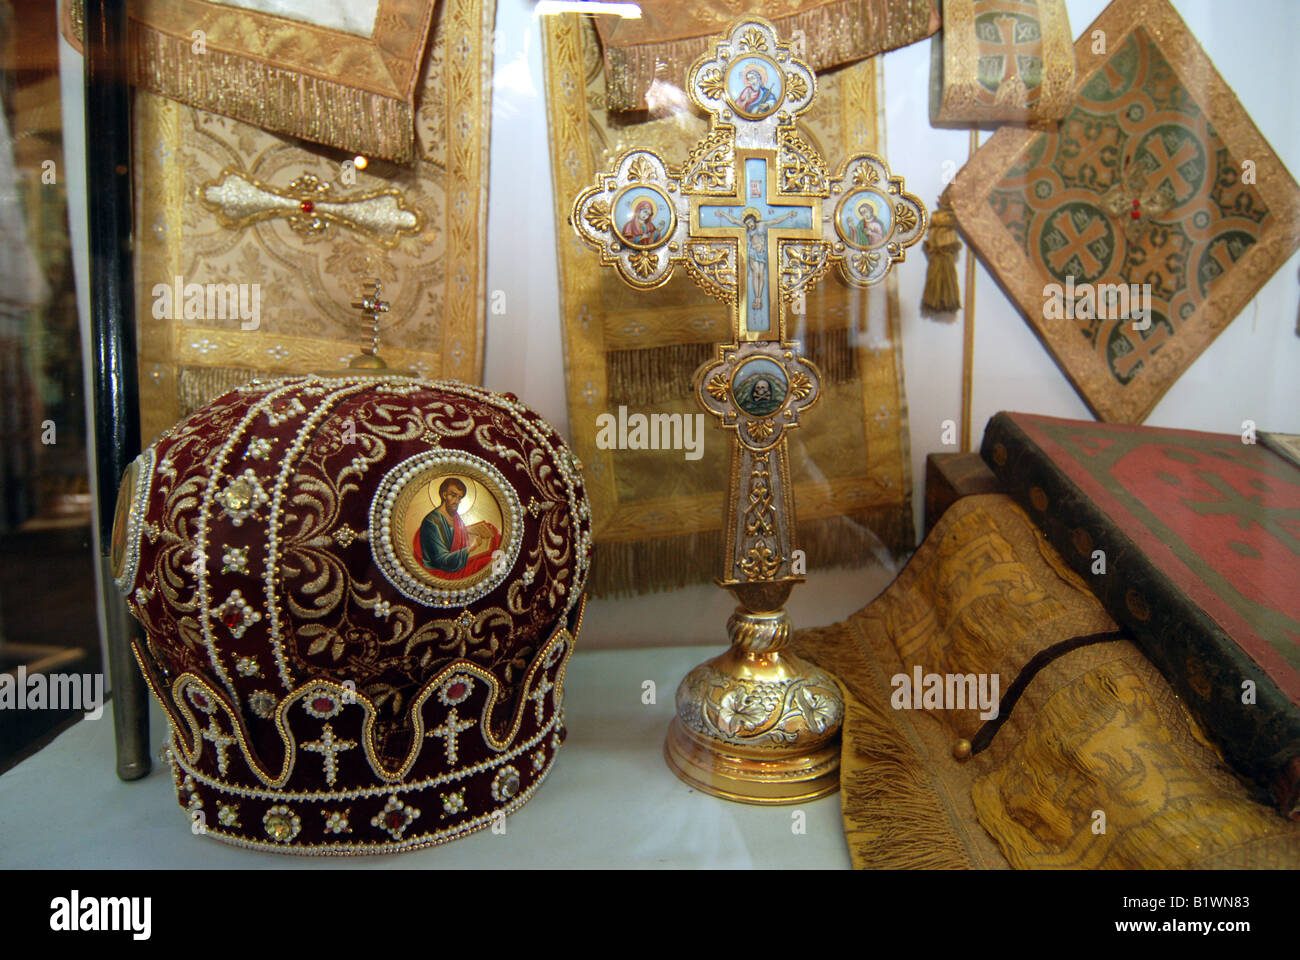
424 241
1098 729
341 84
658 516
671 34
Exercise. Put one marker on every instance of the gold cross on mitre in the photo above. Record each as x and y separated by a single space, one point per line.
372 307
368 362
756 219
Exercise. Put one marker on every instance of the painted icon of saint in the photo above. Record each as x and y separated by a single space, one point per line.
756 237
641 228
868 231
756 97
445 546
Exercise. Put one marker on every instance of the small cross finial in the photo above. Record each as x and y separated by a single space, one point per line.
372 307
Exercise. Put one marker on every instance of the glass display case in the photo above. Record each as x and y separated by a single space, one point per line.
830 434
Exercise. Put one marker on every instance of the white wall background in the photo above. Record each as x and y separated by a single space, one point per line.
1252 371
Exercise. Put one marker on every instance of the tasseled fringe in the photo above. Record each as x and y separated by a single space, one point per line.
323 111
657 375
630 567
667 563
942 244
892 818
834 33
198 386
833 353
664 374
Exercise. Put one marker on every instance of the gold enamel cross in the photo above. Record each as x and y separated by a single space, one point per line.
756 219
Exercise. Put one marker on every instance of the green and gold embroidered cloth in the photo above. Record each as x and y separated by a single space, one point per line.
1156 178
1002 60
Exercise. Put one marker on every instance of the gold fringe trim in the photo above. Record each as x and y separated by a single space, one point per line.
889 806
627 567
942 244
663 374
894 818
198 386
279 100
834 34
657 375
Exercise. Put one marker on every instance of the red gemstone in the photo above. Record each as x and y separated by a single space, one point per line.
1135 215
395 819
1136 204
199 700
456 691
307 206
322 704
233 619
510 396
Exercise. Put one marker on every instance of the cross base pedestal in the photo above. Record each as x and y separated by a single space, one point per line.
756 724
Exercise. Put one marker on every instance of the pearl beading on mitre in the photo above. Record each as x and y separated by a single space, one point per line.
135 519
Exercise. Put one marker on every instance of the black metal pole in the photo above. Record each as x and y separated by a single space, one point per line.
113 343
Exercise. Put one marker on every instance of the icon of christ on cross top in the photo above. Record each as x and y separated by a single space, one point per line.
757 221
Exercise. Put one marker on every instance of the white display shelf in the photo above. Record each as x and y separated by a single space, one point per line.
610 800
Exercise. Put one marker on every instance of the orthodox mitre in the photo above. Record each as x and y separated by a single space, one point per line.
359 595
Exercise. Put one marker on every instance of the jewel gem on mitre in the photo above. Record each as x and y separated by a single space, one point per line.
505 784
281 824
455 690
241 497
236 614
322 704
395 817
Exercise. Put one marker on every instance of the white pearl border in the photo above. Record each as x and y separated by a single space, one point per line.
306 431
144 465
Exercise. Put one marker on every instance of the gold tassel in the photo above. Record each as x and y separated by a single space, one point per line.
942 295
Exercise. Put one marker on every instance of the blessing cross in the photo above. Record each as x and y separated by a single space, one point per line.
756 219
372 308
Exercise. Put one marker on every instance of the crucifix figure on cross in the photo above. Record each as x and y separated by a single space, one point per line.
756 219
